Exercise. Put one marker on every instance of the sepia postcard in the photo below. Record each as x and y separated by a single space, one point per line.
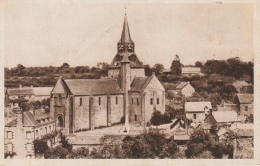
137 81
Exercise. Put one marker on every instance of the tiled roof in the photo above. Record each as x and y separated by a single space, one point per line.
240 84
182 137
40 113
12 92
245 98
182 85
42 91
12 123
93 86
29 119
190 69
197 106
225 116
140 83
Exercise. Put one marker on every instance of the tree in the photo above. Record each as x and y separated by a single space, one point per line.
176 66
158 68
147 70
56 153
198 64
40 146
157 118
65 65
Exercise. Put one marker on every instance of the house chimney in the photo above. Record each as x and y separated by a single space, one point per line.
19 117
21 87
31 86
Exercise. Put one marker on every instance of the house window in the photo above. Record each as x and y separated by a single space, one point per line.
116 100
151 101
9 134
246 108
36 133
80 101
9 147
41 132
52 127
13 104
28 135
49 128
137 101
158 102
132 101
99 100
45 130
194 116
28 147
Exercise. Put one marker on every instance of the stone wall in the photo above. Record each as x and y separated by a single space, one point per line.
100 107
246 109
200 116
135 107
116 109
81 113
136 72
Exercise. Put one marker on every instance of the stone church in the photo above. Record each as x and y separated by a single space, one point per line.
88 104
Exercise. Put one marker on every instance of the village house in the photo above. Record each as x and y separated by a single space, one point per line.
23 130
241 86
245 105
14 96
185 89
125 95
197 111
191 71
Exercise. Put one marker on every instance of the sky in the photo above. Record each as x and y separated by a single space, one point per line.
44 33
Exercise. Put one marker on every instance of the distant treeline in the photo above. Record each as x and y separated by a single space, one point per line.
47 76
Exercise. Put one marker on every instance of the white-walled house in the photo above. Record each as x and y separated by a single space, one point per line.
185 89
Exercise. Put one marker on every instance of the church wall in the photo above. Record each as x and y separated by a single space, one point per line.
81 113
116 109
114 73
100 109
154 91
58 108
136 73
135 106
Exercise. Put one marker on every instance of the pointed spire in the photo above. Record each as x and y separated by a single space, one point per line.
125 37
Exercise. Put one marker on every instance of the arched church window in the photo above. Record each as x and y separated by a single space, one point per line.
99 100
158 101
151 101
60 121
116 100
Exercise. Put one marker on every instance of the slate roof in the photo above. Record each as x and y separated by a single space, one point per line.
13 92
225 116
140 83
245 98
197 106
28 120
93 86
42 91
12 123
